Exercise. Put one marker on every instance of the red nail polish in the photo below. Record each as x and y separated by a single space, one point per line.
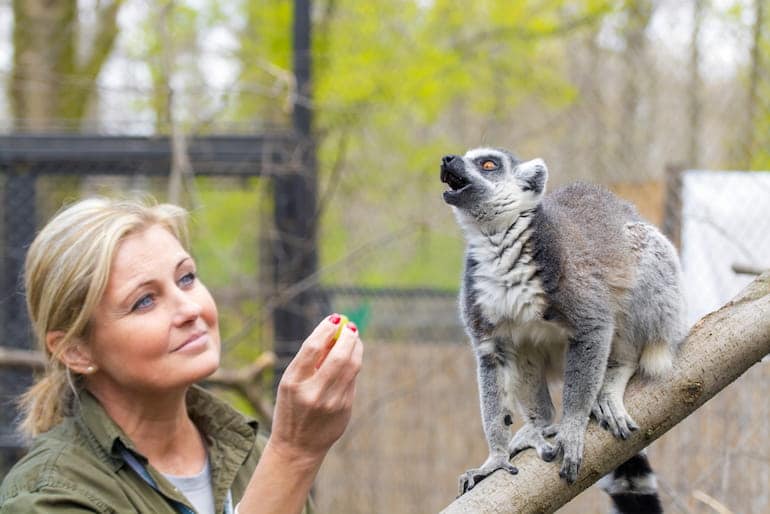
352 326
335 318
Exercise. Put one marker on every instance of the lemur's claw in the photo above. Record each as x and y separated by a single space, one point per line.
550 453
569 471
569 443
612 416
530 436
472 477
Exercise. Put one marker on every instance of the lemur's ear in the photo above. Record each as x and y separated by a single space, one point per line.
533 175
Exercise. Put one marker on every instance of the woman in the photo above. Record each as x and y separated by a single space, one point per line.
119 425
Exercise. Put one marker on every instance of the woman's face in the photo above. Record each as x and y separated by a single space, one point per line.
156 327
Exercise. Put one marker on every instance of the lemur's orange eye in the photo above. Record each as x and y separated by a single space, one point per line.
488 165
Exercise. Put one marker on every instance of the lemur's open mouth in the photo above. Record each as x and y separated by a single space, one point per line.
455 182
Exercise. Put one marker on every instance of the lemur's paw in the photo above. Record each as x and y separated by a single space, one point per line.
472 477
531 436
569 443
612 416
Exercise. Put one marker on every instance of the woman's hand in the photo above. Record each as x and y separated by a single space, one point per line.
312 410
315 395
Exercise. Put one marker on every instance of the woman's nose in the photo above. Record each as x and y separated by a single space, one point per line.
187 308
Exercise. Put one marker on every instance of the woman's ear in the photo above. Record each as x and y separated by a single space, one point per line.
76 356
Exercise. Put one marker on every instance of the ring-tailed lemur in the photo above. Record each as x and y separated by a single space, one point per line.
573 281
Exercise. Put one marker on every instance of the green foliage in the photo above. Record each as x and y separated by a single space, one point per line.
265 61
168 28
387 75
225 218
225 232
751 147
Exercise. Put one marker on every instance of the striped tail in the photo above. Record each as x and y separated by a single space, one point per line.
633 487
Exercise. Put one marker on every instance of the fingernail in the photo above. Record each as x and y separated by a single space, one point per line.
352 326
335 318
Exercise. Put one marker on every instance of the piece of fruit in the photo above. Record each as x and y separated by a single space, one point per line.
343 321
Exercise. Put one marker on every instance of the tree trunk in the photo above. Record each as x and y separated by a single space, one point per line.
695 87
50 85
719 349
752 110
628 147
43 37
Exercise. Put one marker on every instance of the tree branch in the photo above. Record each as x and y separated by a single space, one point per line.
247 382
11 358
543 30
719 349
75 101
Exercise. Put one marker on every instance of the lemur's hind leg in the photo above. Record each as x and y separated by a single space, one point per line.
534 399
493 372
609 409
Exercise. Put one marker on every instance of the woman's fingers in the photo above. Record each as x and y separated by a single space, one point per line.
344 358
358 355
316 394
313 349
324 371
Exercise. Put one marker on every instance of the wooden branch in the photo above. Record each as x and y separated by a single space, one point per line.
719 349
747 269
12 358
245 381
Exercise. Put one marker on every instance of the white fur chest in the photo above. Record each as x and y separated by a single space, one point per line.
505 283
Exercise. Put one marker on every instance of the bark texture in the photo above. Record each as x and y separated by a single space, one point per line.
54 68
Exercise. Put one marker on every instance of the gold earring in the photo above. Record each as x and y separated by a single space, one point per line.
90 369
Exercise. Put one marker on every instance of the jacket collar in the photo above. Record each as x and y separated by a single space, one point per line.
218 421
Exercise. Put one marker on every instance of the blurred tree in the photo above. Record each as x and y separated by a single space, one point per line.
54 66
172 19
757 142
629 147
695 108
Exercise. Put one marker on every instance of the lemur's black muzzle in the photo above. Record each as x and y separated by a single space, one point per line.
453 172
448 159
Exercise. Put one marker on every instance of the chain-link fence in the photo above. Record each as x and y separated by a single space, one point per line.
397 315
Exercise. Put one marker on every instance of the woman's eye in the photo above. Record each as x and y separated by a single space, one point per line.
488 165
143 303
187 279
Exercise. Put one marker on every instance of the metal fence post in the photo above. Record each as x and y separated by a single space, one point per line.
672 208
295 256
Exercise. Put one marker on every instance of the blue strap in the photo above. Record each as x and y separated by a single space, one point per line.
180 507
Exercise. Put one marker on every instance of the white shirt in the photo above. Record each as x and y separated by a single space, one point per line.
196 488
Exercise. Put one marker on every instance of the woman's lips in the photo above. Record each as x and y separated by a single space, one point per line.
195 342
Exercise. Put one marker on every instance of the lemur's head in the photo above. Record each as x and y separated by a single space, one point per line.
492 185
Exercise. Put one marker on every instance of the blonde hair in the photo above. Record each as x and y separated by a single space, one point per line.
65 275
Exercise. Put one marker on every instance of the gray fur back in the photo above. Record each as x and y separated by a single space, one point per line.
587 238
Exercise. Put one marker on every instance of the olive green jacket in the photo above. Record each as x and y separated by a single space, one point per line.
77 466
